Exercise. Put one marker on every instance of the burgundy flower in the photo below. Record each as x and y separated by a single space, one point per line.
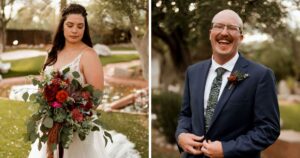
71 107
85 94
236 77
77 115
87 106
50 92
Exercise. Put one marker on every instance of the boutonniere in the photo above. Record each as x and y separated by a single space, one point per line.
236 77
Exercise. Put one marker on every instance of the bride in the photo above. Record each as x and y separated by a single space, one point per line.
72 48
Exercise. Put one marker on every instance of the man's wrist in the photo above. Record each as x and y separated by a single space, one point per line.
181 134
180 140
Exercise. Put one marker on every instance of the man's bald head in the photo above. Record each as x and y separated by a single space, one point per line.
226 14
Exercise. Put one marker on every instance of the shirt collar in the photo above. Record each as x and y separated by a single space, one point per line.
228 65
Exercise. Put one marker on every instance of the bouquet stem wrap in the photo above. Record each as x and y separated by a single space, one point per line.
53 139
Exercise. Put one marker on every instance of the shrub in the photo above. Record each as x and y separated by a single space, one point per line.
166 106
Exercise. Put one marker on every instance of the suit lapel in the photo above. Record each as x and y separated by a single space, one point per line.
240 65
202 76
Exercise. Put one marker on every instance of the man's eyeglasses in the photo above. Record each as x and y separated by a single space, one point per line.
230 28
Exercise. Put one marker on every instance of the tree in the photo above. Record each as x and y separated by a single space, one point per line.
131 15
63 4
183 26
34 15
281 53
4 19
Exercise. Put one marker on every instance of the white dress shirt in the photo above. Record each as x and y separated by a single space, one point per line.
212 74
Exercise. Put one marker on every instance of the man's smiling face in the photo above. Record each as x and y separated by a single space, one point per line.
226 34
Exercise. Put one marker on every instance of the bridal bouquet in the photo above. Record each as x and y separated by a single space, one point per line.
65 108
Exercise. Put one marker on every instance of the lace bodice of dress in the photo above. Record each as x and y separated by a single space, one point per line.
73 65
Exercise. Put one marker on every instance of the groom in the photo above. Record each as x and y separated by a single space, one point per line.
230 107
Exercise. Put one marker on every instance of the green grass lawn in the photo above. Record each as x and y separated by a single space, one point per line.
135 127
12 124
33 66
291 117
120 47
13 115
24 67
118 58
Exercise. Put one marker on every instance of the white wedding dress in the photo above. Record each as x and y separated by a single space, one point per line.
94 144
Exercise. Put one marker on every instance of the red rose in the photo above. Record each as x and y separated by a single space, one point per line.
85 94
62 96
77 115
50 92
232 78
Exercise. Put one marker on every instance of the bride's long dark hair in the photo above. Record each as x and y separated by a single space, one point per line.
59 38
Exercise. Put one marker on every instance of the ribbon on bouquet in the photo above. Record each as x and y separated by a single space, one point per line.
53 139
60 150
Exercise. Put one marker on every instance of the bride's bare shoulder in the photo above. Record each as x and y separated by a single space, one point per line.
89 54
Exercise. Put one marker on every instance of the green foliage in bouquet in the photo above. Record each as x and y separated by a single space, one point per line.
65 107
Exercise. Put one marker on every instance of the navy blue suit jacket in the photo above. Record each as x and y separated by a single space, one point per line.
246 118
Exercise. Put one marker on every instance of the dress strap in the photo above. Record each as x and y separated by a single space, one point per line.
77 59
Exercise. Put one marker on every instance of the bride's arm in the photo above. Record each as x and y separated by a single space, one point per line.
41 77
92 69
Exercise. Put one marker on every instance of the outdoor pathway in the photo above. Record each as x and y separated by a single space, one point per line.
287 145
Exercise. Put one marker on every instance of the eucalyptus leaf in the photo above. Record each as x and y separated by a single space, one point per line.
32 97
89 88
97 94
98 113
40 145
25 96
81 136
105 140
66 136
35 81
85 124
66 70
48 122
76 84
43 128
33 137
95 128
75 74
44 138
31 125
36 117
107 134
98 122
59 115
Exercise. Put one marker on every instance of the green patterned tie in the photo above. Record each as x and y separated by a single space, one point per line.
213 96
